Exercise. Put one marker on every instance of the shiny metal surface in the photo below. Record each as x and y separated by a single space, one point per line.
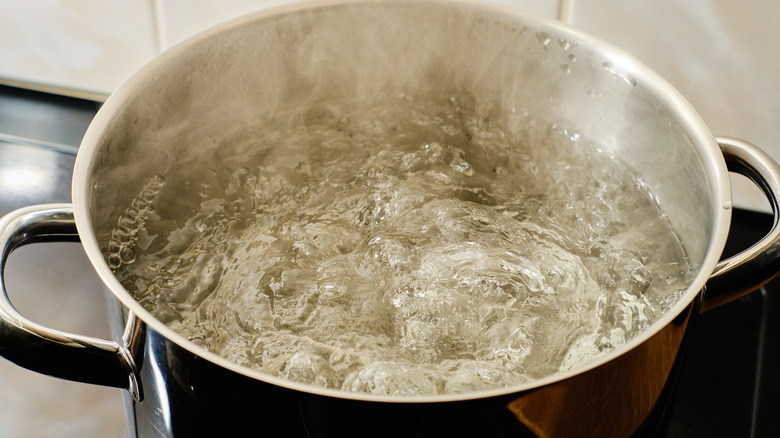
214 87
53 352
759 264
185 395
54 284
34 346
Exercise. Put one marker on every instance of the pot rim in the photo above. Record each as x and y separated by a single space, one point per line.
697 129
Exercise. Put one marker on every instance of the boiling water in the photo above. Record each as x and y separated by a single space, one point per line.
410 248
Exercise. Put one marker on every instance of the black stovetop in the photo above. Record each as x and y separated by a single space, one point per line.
729 384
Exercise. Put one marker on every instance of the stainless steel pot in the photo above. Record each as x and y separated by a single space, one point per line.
215 85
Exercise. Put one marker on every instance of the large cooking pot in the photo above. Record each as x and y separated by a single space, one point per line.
211 89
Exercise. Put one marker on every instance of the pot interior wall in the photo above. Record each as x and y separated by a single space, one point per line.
218 87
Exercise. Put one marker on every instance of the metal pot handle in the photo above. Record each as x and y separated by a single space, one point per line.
759 264
38 348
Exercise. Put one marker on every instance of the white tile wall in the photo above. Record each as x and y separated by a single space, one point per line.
81 47
723 56
180 19
88 48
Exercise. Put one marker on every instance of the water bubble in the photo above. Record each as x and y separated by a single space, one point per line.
391 379
123 236
463 167
139 204
127 255
475 376
308 368
330 290
671 299
593 93
409 161
450 129
114 261
619 73
640 274
128 222
543 38
375 126
114 246
435 149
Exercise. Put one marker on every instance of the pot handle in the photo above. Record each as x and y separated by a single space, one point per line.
38 348
754 267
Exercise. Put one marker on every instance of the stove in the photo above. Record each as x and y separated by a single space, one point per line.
727 383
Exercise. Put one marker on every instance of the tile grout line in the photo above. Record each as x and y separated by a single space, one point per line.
566 11
157 18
